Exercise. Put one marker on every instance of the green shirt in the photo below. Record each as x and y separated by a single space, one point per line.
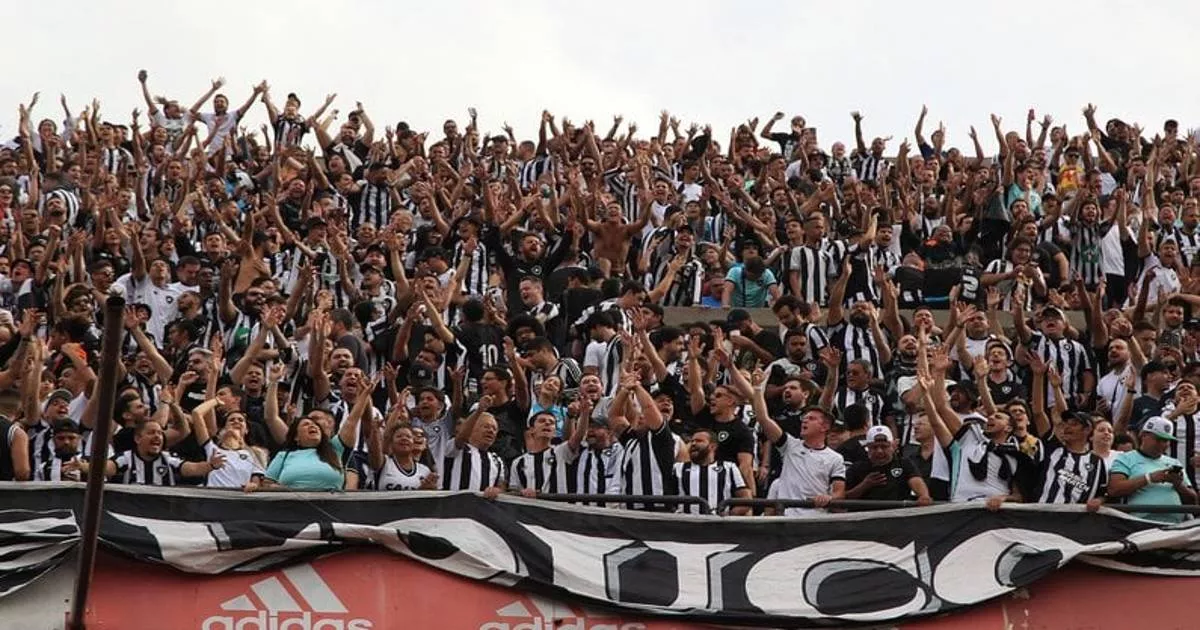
303 469
1133 464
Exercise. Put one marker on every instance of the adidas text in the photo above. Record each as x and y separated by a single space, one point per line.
291 621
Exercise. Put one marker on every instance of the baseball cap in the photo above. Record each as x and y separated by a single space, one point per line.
1160 428
879 433
66 425
60 394
1052 311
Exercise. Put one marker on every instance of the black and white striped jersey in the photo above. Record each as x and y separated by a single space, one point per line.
688 286
41 447
868 167
715 483
598 471
115 159
374 206
532 170
868 398
547 470
606 357
568 372
624 191
1069 477
468 468
71 202
1187 431
289 132
1068 356
475 281
856 343
646 464
163 470
1085 252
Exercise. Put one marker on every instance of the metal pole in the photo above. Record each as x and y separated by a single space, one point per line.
106 393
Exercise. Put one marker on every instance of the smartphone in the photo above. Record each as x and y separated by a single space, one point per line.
1176 469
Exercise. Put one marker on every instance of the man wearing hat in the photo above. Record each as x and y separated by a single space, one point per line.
677 274
41 429
1148 476
883 476
1053 346
290 127
68 442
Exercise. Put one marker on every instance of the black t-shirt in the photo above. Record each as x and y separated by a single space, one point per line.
1006 392
732 437
510 437
484 344
939 489
1144 408
1044 255
852 451
898 472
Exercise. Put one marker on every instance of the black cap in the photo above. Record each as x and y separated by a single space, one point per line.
967 387
315 222
368 267
292 97
65 425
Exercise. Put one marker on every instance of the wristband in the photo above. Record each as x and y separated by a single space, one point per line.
1149 482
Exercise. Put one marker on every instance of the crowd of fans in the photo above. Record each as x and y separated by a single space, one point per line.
411 311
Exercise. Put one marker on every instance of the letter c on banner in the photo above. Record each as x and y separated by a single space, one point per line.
848 579
1016 557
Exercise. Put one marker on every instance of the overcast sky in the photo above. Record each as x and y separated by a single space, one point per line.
709 62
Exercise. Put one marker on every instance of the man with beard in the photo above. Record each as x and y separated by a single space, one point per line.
796 364
1110 391
598 468
147 463
240 324
717 413
67 441
884 476
704 477
861 337
531 259
1148 476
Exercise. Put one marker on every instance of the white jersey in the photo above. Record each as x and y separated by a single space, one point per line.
163 302
240 465
807 472
393 477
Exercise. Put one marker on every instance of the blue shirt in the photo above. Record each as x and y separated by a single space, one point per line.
749 293
303 469
1133 464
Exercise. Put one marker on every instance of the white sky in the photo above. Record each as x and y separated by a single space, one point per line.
705 61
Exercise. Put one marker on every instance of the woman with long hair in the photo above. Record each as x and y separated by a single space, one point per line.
310 460
400 469
243 463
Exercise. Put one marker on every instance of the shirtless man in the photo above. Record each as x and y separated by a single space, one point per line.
614 235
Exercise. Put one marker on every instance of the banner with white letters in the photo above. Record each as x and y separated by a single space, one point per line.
864 568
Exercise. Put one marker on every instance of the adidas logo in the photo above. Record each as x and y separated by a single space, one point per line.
544 614
277 607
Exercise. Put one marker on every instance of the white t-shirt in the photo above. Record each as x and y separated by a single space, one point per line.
163 302
971 445
1165 281
239 466
219 128
1112 388
1112 257
807 472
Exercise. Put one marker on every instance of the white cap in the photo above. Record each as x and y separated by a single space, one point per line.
879 432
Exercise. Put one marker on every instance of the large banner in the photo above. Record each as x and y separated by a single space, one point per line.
864 568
